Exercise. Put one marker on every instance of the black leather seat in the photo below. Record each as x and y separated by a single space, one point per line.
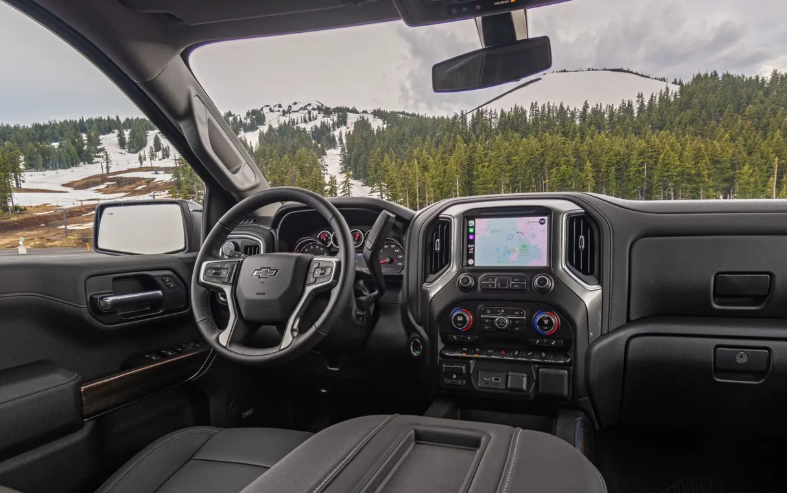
394 454
204 459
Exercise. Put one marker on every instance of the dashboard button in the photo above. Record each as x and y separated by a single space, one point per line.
500 311
487 311
516 312
487 327
488 285
522 279
501 323
503 282
519 286
453 337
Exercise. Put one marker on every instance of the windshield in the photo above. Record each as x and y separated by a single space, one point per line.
652 101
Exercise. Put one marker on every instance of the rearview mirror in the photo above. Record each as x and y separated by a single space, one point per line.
493 65
144 226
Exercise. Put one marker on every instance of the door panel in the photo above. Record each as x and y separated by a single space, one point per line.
121 356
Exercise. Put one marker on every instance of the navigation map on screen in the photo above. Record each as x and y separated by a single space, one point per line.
508 242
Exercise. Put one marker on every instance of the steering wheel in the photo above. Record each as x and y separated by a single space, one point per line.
271 288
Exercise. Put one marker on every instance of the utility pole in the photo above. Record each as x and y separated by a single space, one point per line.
65 220
775 174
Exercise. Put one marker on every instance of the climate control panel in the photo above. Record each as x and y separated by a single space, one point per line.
517 323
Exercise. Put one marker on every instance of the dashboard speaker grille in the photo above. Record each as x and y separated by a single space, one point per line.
581 245
438 247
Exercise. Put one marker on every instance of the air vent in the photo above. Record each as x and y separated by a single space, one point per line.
582 247
251 250
438 248
246 222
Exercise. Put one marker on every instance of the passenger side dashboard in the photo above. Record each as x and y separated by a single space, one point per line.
681 323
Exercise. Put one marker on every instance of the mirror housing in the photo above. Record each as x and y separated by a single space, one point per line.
138 227
493 65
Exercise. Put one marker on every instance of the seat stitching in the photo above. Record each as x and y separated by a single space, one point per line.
352 452
156 449
513 460
40 389
601 480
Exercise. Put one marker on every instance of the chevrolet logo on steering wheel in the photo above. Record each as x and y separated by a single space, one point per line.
264 272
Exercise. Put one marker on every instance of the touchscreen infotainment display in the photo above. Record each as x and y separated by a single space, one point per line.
508 241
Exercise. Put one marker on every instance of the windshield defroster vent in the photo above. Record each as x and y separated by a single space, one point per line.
438 248
582 247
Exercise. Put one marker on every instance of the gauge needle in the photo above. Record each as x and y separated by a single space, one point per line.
387 260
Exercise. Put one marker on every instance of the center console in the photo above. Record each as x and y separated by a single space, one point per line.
510 319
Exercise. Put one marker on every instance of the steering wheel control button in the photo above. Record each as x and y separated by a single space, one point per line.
216 272
461 319
466 282
546 323
542 283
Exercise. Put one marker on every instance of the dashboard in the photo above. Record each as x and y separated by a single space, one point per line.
568 301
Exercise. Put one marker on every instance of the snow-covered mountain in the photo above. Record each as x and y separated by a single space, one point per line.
277 114
574 88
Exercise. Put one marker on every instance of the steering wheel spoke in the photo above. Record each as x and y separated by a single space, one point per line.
219 276
323 276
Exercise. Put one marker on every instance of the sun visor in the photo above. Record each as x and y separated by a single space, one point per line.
207 12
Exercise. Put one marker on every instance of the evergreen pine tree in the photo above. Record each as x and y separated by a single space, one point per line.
346 187
121 136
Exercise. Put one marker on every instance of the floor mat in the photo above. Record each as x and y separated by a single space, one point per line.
704 485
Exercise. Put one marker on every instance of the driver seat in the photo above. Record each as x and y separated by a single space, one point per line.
204 459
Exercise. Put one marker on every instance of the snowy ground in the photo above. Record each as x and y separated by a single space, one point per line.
64 196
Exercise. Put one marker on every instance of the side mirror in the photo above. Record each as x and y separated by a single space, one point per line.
493 65
134 227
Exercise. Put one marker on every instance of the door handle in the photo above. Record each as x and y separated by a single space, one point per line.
114 302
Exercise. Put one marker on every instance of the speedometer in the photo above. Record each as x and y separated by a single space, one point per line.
312 246
392 257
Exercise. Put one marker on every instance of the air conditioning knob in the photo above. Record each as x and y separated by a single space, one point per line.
546 323
461 319
466 282
542 283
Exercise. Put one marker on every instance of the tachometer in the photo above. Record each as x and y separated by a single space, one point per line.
312 246
392 257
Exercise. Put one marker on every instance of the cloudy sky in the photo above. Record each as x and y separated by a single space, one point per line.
389 65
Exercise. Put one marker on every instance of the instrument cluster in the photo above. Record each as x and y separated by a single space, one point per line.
324 242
